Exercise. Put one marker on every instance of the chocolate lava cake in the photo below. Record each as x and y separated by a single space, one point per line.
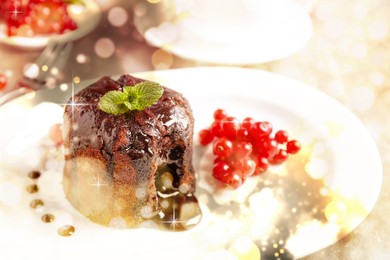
114 163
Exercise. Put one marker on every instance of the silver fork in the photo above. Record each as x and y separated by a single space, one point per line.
38 74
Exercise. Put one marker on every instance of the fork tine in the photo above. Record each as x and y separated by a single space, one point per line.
35 69
58 54
61 56
56 59
46 53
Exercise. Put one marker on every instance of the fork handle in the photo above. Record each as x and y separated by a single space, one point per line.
11 95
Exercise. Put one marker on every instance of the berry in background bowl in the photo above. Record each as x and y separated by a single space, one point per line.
3 81
33 23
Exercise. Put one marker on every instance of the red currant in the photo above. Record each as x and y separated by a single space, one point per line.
293 146
245 166
279 157
262 165
223 147
247 123
216 128
223 173
243 135
205 137
271 146
3 81
221 169
219 159
261 129
281 136
233 181
242 149
266 147
230 127
219 114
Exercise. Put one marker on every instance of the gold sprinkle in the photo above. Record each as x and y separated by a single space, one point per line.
45 68
76 80
34 174
275 245
276 254
33 188
37 203
66 230
47 218
281 251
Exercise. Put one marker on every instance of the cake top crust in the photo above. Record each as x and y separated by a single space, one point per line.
137 133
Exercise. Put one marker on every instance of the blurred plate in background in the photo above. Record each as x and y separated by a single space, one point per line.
239 33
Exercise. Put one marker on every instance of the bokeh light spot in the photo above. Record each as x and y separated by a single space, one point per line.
64 87
117 16
81 58
362 98
317 168
359 51
31 70
139 9
335 212
378 30
377 78
162 59
104 47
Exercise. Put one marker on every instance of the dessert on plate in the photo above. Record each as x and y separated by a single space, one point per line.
128 153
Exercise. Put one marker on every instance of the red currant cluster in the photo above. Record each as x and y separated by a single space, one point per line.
36 17
244 148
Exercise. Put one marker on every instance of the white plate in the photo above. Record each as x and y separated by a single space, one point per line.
86 16
263 38
319 196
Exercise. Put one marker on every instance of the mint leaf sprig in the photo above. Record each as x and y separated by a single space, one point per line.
137 97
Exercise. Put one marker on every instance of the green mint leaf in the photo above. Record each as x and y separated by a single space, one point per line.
128 90
137 97
130 93
113 103
128 105
147 94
